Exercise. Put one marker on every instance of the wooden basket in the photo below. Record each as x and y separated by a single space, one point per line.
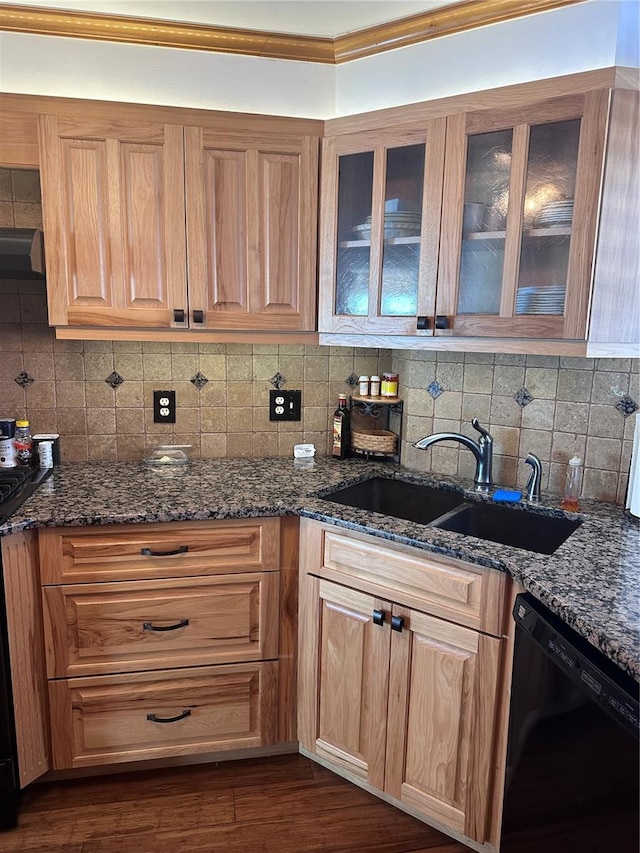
374 441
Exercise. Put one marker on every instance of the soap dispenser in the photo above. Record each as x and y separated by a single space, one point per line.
571 501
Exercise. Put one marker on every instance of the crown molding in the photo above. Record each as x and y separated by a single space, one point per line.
366 42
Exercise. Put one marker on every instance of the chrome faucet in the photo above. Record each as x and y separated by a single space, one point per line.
533 483
481 449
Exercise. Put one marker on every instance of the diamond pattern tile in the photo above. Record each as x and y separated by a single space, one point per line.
435 389
352 380
114 379
199 380
24 379
278 380
627 405
523 397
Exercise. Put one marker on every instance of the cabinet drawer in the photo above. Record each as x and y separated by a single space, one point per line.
109 719
126 626
460 592
171 549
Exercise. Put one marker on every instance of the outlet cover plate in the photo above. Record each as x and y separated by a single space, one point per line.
285 405
164 407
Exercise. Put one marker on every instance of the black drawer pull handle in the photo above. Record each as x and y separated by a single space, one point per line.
154 719
423 322
178 315
442 321
378 617
397 623
198 316
147 552
149 626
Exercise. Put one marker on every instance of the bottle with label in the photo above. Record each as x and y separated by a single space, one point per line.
7 443
23 443
341 429
374 387
571 499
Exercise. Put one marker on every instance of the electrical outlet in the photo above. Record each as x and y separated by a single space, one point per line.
164 407
285 405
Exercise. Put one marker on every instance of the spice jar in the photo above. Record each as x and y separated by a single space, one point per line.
363 386
389 387
375 386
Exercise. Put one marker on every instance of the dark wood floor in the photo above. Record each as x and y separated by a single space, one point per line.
285 804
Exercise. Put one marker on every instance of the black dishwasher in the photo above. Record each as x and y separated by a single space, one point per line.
572 757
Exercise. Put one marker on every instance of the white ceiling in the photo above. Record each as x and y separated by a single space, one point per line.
320 18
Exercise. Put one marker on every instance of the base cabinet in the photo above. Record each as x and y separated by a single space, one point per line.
165 643
392 696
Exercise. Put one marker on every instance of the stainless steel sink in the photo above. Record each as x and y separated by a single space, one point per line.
398 498
519 528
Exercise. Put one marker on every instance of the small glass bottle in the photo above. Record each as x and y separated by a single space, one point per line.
341 429
23 443
374 390
571 501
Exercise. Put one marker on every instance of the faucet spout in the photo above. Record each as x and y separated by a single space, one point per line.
481 449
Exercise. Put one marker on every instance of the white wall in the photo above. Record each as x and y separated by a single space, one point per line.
564 41
588 35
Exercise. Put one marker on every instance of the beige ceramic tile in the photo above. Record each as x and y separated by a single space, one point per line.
506 440
103 448
129 421
6 214
74 448
572 417
609 386
476 406
239 445
603 454
567 444
535 441
605 422
602 485
239 394
25 185
541 382
70 394
505 411
42 420
264 367
184 366
265 444
11 365
240 419
539 414
98 365
72 422
156 367
6 191
239 367
100 395
37 337
507 379
213 445
70 366
131 448
450 375
213 420
448 405
575 385
27 214
478 378
101 421
213 366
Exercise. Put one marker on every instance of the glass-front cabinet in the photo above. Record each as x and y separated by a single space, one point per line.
382 196
517 252
481 224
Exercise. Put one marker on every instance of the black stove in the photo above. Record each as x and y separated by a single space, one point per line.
16 485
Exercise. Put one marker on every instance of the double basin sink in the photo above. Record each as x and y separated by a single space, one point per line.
447 510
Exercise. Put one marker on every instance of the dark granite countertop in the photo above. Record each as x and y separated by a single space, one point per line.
592 581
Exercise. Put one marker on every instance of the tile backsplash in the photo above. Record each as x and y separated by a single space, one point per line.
98 394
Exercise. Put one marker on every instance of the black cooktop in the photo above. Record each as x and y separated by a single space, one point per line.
16 485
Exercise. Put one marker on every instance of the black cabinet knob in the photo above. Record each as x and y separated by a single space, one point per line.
178 315
442 321
198 317
423 323
397 623
378 617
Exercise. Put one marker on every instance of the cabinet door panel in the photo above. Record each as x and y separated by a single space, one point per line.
347 692
113 213
101 628
516 255
442 700
251 229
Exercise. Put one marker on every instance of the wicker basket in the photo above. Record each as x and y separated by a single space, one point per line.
374 441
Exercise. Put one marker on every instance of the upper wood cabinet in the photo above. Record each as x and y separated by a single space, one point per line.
473 224
157 225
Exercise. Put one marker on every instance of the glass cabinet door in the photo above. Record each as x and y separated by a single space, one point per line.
519 268
374 257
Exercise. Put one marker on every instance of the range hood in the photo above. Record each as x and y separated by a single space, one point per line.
21 253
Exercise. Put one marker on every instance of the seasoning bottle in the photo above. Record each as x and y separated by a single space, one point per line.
389 386
571 501
23 443
7 443
375 386
341 429
363 386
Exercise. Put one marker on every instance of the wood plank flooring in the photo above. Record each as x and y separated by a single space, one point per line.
285 804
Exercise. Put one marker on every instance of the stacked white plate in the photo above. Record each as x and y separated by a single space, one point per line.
556 213
397 224
540 300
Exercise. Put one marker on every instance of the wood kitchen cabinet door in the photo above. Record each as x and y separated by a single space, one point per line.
380 224
442 695
343 679
251 230
521 199
113 212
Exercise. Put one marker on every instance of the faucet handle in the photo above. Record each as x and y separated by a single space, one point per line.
483 432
